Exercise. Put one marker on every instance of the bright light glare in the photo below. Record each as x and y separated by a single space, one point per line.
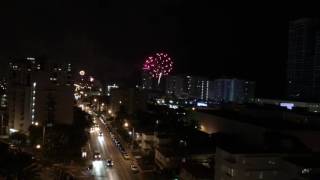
84 154
38 146
126 124
101 139
97 167
82 72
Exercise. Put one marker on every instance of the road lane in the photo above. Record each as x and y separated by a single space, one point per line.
103 144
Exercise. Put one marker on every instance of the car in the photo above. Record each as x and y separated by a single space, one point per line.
96 156
134 168
126 156
109 163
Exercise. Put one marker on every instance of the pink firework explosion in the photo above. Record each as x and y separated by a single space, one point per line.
158 65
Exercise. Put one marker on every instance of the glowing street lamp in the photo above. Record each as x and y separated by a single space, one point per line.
91 79
36 123
95 100
82 73
109 111
126 124
38 146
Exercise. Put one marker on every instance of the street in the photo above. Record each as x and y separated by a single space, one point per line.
104 145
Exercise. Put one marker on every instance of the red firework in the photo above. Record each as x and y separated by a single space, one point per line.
158 65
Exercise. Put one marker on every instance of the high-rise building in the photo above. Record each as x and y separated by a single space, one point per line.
147 82
174 85
303 67
39 93
196 87
232 90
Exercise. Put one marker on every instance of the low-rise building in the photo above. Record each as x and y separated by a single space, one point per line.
196 172
301 168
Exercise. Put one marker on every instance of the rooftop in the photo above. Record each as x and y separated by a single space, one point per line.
198 170
273 144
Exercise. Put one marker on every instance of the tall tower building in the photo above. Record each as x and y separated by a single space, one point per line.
39 93
196 87
303 67
174 85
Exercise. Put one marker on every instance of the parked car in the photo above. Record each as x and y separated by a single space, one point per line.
109 163
134 168
126 156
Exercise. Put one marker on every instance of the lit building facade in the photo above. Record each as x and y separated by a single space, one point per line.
147 82
232 90
39 93
196 87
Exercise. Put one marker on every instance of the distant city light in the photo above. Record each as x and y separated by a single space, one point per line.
36 123
82 73
38 146
126 124
287 105
91 79
202 104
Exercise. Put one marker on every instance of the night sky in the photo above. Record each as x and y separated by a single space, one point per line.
111 38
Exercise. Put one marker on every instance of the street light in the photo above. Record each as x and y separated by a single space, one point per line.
38 146
126 124
95 100
109 111
82 73
36 123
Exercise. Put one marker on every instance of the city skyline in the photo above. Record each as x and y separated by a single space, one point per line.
111 38
163 89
